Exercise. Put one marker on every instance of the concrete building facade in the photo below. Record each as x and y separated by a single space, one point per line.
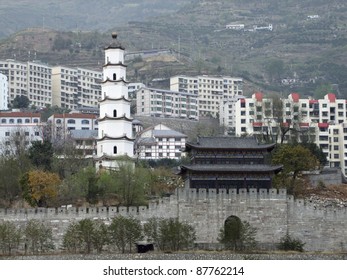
211 91
3 92
166 103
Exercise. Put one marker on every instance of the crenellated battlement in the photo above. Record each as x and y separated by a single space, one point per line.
193 196
273 212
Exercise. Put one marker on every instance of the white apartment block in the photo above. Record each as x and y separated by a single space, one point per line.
166 103
133 88
18 130
322 121
31 79
62 124
75 87
211 91
160 142
3 92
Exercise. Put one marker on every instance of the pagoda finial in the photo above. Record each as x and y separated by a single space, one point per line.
114 35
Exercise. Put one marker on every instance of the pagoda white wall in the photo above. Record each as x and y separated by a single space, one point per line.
114 56
115 128
114 90
123 148
121 106
118 70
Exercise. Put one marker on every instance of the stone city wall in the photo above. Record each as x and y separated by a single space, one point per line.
272 212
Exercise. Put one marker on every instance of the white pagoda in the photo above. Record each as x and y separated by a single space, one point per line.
115 136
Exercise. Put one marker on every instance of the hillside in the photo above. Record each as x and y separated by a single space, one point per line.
85 15
312 52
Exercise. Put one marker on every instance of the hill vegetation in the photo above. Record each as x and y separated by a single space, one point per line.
301 54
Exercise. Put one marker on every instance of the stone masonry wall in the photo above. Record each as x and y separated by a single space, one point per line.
271 212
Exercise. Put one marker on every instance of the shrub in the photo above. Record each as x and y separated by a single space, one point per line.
287 243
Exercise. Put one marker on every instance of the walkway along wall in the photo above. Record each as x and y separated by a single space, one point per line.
272 212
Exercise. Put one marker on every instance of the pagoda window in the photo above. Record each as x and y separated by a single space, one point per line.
114 113
115 149
114 76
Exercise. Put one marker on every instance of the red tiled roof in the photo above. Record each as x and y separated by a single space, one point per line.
19 115
295 97
304 124
331 97
259 96
75 116
313 101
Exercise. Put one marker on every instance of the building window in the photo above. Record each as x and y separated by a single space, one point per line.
19 120
114 76
85 122
115 113
115 149
3 121
7 133
11 120
27 120
58 121
71 121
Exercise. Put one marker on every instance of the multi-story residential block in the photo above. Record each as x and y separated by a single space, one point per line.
166 103
211 91
18 130
160 142
3 92
31 79
62 124
321 121
133 88
75 87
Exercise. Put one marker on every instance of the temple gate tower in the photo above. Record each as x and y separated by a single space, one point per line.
115 136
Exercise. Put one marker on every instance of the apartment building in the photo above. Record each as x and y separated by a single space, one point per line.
322 121
3 92
31 79
166 103
62 124
211 91
159 142
75 87
18 130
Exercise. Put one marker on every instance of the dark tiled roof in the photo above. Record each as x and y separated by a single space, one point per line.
84 134
168 133
228 143
232 168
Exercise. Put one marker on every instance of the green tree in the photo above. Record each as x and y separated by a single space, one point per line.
20 102
287 243
295 159
10 237
129 184
41 154
124 232
71 239
10 189
86 230
38 237
170 234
